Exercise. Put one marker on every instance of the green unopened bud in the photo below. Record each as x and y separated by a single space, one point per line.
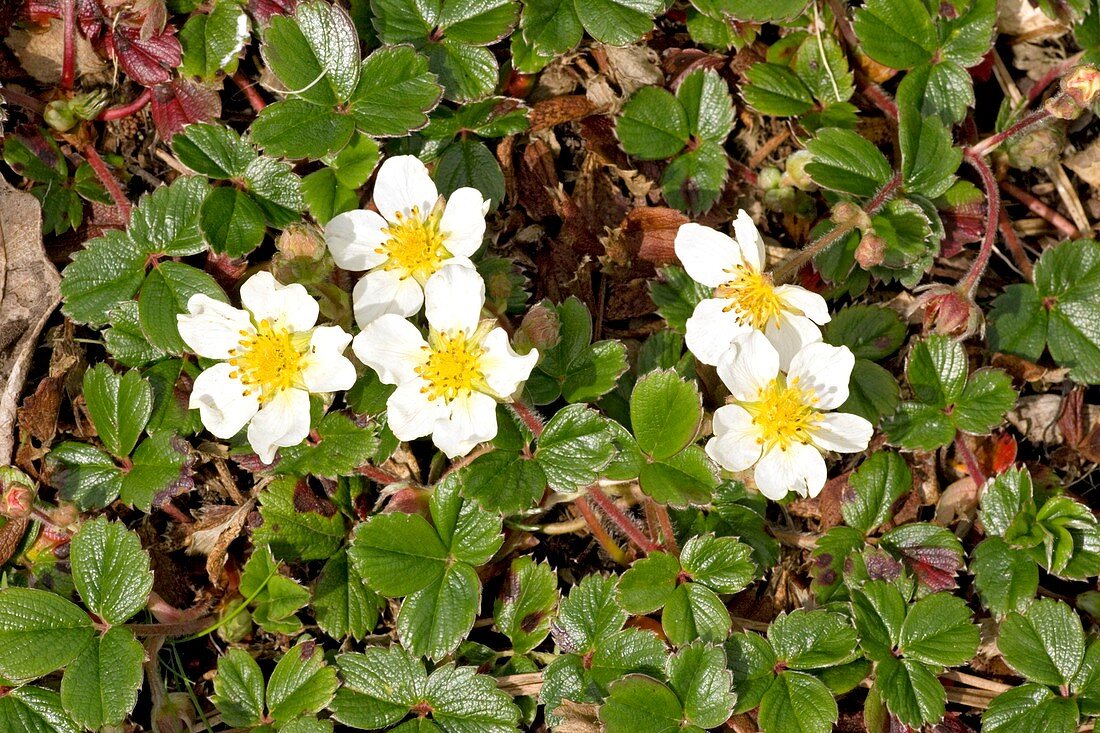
781 199
1082 85
64 114
769 179
1036 148
237 624
540 329
871 251
796 170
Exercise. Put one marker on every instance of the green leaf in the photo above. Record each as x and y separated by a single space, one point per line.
588 615
618 22
462 700
812 639
469 163
342 602
526 603
649 583
503 481
983 403
343 445
693 181
596 372
119 406
1018 322
35 710
665 412
397 554
100 687
1006 496
686 478
108 271
931 552
938 631
39 632
276 189
723 564
705 97
276 597
297 524
879 611
326 196
212 150
551 27
1006 578
873 392
465 72
797 703
695 612
910 691
897 33
164 296
472 535
1030 708
478 23
845 161
315 53
163 222
752 661
125 339
395 93
869 331
1068 277
698 675
640 704
875 486
937 370
822 66
1045 643
435 619
295 128
676 296
764 10
653 124
84 475
776 90
300 683
212 41
917 426
928 158
380 687
239 689
110 570
573 447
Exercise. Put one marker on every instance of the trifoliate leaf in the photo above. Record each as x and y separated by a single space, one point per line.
298 525
879 611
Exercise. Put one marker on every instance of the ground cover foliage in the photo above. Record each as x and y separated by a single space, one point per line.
520 365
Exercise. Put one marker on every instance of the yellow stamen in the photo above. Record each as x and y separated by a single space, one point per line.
269 360
453 366
752 297
784 414
415 246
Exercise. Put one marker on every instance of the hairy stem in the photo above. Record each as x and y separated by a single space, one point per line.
973 276
1032 119
249 90
970 460
530 418
1014 246
620 520
606 542
108 180
377 475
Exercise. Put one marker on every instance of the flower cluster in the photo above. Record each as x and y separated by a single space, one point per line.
271 356
783 381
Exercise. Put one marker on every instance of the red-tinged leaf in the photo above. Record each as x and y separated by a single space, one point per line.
934 567
963 224
1002 452
89 16
1073 420
148 61
181 102
263 10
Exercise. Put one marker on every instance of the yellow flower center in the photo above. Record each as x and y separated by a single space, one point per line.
453 366
784 414
268 360
415 245
752 297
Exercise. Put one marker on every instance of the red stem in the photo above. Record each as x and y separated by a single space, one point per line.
108 180
530 418
970 460
606 541
1014 246
1032 119
1037 207
665 521
878 96
250 92
68 57
973 276
377 475
125 110
620 520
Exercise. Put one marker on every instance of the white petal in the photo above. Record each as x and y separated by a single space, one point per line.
453 297
749 241
805 302
504 369
734 445
472 420
290 305
711 329
463 223
282 422
403 183
749 366
327 369
223 406
212 328
411 414
384 291
843 433
800 469
393 347
789 334
708 255
825 370
354 238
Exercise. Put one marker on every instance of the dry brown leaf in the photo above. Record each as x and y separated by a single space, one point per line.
577 717
29 292
1022 17
1086 164
214 531
40 53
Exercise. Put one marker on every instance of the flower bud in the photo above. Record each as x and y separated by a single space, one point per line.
1036 148
769 178
63 114
300 241
1082 85
848 213
796 170
1063 107
949 311
781 199
870 251
540 329
16 493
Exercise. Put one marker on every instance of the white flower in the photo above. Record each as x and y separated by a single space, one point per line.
745 299
779 422
415 234
449 385
271 357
